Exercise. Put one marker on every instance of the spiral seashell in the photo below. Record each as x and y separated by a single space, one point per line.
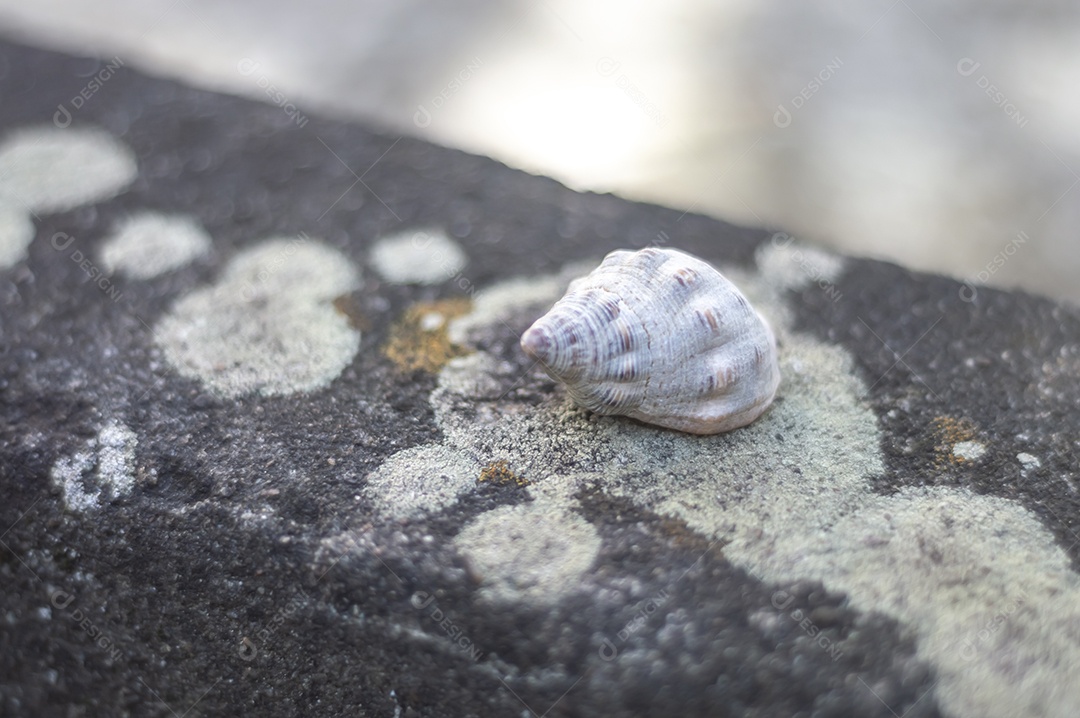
662 337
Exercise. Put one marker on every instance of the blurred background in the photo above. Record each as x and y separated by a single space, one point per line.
943 136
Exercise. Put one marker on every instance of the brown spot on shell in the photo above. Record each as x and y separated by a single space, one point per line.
612 309
725 377
708 319
685 276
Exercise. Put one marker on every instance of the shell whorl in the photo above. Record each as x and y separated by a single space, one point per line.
660 336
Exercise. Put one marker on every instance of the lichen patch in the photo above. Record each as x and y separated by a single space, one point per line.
420 338
968 450
423 478
420 256
499 473
536 551
46 169
268 325
16 233
955 441
149 244
104 470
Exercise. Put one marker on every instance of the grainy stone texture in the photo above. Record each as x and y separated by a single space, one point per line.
230 487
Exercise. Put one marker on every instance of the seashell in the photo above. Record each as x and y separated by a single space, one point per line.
662 337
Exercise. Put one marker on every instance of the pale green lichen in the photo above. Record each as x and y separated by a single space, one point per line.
419 256
16 234
792 265
968 450
269 324
112 454
423 478
535 551
148 244
47 169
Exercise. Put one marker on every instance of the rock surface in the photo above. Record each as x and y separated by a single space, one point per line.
287 473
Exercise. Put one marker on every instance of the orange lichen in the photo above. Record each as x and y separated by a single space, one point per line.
500 474
948 432
419 339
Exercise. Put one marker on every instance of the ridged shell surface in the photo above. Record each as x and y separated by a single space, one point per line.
663 337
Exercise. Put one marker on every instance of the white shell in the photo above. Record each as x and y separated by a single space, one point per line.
660 336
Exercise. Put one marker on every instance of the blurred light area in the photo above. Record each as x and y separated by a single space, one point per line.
561 92
583 131
926 133
1045 70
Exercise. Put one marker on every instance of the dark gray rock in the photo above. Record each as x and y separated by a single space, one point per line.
289 477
